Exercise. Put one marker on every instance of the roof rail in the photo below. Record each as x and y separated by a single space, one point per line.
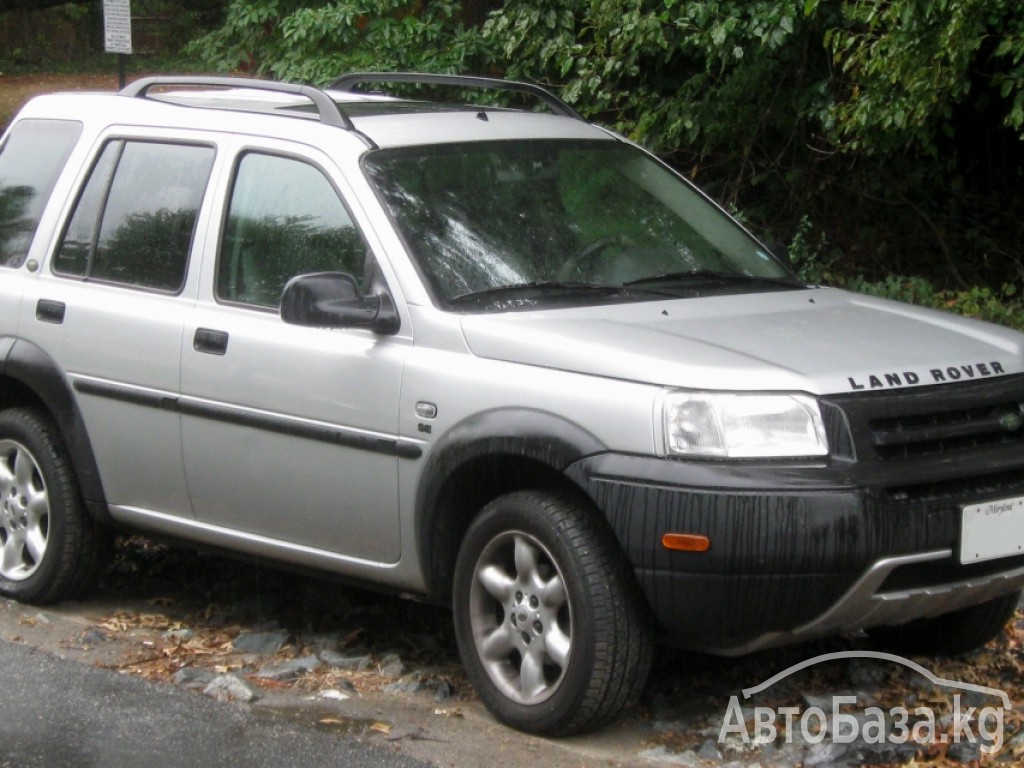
328 110
349 82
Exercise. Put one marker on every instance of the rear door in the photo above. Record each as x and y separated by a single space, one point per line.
111 304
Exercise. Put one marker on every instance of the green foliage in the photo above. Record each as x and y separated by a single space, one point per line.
1001 306
895 126
316 40
814 260
858 75
904 67
667 73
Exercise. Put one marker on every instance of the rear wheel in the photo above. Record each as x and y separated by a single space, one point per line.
50 549
549 624
952 633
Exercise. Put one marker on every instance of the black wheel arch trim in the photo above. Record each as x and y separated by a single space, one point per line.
520 433
29 365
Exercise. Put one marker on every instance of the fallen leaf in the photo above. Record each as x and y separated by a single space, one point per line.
448 711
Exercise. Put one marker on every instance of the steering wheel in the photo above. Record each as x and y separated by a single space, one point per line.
590 252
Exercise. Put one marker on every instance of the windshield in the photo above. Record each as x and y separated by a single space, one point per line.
526 223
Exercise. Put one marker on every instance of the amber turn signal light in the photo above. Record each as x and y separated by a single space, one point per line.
686 542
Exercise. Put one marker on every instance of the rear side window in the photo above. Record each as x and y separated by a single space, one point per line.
134 221
30 161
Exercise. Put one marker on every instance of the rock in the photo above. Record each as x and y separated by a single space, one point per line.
391 666
886 752
94 637
442 691
410 684
231 688
263 643
1014 742
662 755
179 635
785 756
824 753
710 751
356 661
190 677
289 670
321 642
963 752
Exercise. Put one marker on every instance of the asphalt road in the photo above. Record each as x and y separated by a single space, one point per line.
62 714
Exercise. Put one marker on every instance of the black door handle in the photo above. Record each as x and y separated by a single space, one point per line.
209 341
50 311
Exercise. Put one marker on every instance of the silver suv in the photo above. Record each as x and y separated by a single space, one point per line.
501 359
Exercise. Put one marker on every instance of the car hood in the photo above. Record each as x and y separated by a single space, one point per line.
819 340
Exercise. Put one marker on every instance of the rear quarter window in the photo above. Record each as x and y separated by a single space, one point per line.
31 159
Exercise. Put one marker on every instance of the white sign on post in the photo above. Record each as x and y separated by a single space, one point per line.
117 26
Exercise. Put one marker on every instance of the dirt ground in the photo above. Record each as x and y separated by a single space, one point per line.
162 612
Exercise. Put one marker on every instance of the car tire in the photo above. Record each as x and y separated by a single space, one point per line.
50 548
551 628
951 634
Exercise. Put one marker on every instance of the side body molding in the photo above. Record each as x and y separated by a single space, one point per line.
498 442
32 367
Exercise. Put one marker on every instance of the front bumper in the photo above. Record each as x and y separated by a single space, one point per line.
798 551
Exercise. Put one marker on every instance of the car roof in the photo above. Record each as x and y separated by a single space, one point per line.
257 107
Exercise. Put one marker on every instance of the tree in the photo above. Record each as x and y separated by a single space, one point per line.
890 132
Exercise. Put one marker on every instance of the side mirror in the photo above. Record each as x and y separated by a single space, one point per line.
332 300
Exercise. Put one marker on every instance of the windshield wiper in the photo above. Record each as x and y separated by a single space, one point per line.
709 276
537 287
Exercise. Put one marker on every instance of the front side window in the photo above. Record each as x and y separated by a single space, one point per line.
30 161
284 219
134 221
517 224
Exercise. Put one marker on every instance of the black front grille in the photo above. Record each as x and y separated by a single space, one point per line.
925 421
941 445
948 431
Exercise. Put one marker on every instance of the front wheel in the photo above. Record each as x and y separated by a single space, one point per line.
549 623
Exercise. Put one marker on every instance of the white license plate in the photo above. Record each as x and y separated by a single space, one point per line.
993 529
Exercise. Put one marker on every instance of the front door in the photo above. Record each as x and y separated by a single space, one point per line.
289 433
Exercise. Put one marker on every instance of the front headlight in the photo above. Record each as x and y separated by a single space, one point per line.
714 424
